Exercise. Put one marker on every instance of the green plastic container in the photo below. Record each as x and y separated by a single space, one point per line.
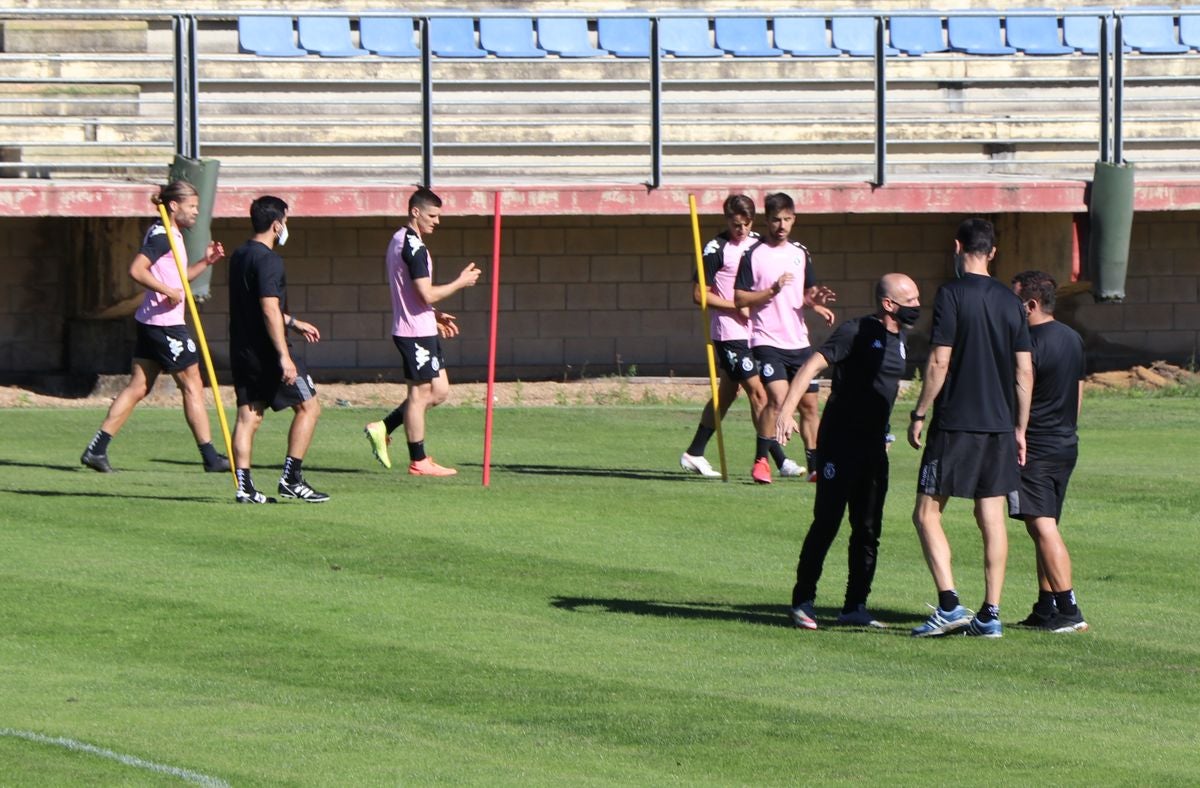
1111 219
201 173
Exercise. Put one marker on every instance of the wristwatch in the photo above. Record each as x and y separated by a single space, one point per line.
914 416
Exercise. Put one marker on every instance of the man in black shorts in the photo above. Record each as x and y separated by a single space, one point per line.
264 370
978 382
868 358
1052 447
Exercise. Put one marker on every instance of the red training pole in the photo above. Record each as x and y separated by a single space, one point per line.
491 379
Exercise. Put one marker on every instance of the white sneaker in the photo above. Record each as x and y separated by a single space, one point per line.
859 617
697 465
791 468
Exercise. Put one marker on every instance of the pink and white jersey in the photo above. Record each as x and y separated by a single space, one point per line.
408 259
779 322
721 260
156 308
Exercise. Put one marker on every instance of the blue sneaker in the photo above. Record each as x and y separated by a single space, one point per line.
941 622
980 629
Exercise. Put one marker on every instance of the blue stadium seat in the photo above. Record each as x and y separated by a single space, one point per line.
328 36
624 37
390 36
918 35
453 37
272 36
566 37
508 37
1037 35
1152 35
803 36
977 35
1189 26
855 35
686 37
744 36
1083 33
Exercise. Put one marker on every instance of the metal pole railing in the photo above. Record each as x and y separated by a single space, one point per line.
1118 132
426 107
880 101
193 90
656 143
178 87
1105 90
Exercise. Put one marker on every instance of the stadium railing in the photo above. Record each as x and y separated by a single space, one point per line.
609 118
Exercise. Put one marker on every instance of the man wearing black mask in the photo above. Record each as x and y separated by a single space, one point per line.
868 360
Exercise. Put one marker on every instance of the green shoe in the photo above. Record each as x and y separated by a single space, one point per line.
377 435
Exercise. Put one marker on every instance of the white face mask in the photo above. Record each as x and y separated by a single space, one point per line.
281 239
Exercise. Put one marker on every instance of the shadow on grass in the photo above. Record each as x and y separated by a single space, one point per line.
95 494
766 615
43 465
567 470
277 466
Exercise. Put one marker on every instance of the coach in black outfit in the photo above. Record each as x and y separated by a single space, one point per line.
1052 447
978 382
868 360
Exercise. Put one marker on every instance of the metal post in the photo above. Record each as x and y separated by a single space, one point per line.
426 106
1105 92
193 91
880 102
656 154
177 23
1118 155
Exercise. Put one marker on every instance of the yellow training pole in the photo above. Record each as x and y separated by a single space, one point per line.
712 362
212 375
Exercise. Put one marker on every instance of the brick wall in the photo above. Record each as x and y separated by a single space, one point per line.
582 295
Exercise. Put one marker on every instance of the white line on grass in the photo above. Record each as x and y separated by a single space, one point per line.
128 760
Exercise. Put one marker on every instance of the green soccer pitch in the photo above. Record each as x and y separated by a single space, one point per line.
595 617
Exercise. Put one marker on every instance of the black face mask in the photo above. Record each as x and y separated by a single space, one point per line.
960 266
907 316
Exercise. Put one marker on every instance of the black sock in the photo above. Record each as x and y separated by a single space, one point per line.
394 419
948 600
1065 601
291 469
700 441
208 452
810 459
245 484
1045 604
987 612
777 454
416 450
99 444
762 447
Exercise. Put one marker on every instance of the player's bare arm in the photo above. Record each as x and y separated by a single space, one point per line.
139 271
935 378
431 293
751 298
305 329
1024 399
785 422
273 318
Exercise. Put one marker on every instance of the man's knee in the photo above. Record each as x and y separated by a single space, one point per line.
309 408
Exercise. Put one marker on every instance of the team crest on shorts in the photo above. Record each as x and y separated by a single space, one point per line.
435 364
768 370
747 364
829 471
191 345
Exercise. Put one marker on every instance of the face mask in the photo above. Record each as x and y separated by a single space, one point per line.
960 269
907 316
281 239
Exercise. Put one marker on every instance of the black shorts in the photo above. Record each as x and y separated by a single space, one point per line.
969 464
171 347
1043 488
422 357
265 385
779 364
734 356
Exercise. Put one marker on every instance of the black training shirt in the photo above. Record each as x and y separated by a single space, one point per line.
254 272
867 362
984 324
1058 366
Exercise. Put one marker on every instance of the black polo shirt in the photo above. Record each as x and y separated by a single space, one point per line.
867 362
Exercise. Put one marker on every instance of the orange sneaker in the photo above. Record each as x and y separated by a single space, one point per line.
761 472
427 467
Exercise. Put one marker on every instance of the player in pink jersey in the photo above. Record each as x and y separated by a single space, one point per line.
163 341
730 331
417 328
776 281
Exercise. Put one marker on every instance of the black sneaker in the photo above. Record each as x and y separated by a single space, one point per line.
300 489
1035 620
254 496
220 466
1062 622
97 462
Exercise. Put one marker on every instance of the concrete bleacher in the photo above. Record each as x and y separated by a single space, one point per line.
556 119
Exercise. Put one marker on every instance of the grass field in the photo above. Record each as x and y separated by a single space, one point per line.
594 617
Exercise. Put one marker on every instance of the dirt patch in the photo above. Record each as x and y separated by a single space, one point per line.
592 391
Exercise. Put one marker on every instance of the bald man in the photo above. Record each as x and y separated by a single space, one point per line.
868 360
